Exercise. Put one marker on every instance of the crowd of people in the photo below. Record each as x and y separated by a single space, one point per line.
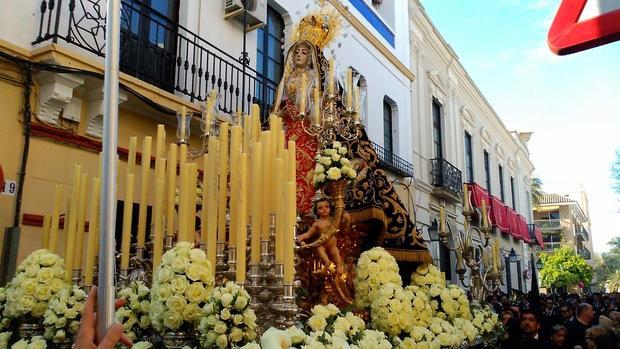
559 321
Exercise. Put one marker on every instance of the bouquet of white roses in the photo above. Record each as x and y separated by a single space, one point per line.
62 317
181 286
392 310
36 342
39 277
229 322
423 310
486 321
375 268
134 315
332 165
449 302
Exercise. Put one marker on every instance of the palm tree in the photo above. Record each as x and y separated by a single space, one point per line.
537 194
613 282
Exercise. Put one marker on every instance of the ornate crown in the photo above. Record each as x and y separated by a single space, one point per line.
318 28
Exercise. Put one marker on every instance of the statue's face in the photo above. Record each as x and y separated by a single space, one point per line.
301 56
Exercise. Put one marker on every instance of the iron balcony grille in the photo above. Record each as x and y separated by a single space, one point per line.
159 51
549 224
393 162
446 175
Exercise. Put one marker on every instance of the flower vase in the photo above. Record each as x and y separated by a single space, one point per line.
178 340
28 330
66 344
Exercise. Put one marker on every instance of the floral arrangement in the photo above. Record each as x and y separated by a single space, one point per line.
62 317
375 268
142 345
134 315
36 342
4 322
332 165
392 310
486 321
228 321
181 287
39 277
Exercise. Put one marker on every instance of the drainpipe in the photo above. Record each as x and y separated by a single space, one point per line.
11 234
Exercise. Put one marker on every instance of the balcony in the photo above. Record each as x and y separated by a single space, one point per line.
159 51
393 162
584 253
582 233
446 179
550 224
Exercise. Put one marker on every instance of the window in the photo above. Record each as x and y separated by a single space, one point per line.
487 172
512 192
437 141
149 41
469 161
388 142
269 55
501 183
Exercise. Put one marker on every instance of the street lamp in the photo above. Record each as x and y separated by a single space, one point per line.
513 256
539 264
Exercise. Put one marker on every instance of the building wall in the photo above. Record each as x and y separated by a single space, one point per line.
464 109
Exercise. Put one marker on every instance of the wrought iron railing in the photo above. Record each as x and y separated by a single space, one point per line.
393 162
446 175
158 50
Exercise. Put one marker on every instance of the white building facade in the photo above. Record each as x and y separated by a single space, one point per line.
459 138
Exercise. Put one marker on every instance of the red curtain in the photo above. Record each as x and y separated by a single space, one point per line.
498 215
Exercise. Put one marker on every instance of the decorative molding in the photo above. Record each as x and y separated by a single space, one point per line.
372 39
94 126
484 134
438 83
500 151
468 119
55 92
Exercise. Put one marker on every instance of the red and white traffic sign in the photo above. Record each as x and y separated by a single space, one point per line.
583 24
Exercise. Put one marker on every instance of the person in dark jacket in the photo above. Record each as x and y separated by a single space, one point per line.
584 315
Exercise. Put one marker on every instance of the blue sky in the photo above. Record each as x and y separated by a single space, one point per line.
571 103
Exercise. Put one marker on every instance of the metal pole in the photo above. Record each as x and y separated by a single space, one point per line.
106 292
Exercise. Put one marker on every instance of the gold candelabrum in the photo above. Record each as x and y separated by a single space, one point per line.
332 122
485 269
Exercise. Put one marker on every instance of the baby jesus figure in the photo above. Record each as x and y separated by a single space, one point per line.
328 249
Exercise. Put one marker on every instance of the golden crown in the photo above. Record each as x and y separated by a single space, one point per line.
318 28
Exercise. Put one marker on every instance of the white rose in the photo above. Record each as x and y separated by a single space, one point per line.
22 344
319 169
227 299
336 144
241 302
195 292
179 264
236 335
178 284
324 160
48 259
172 319
336 157
221 341
334 173
194 271
220 327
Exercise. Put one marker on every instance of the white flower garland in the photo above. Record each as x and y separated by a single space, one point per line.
62 318
36 342
332 165
228 321
181 286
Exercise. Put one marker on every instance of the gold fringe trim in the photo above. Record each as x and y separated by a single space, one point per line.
417 256
368 214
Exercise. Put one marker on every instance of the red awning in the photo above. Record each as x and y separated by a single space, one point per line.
539 237
513 223
478 193
498 215
525 232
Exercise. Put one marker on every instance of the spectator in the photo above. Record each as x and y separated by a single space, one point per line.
530 325
577 327
557 337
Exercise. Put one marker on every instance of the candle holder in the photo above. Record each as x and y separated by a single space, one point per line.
336 122
231 272
290 309
122 279
220 263
77 276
